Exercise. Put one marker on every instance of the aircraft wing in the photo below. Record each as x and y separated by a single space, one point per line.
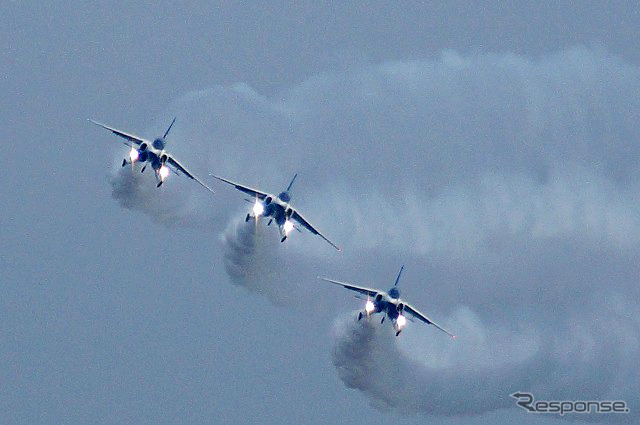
173 162
130 137
245 189
360 289
300 219
415 313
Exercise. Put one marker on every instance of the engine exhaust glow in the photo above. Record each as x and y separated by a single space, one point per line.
258 208
369 307
163 172
401 321
133 155
288 227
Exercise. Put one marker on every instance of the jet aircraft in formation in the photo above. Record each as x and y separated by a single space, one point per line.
153 153
277 208
389 304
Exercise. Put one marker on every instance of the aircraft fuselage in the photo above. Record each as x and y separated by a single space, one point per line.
148 153
392 307
153 154
388 304
276 208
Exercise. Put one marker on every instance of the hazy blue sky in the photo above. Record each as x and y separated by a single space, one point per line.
492 148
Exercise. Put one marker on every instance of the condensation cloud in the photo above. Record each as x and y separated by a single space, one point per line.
510 182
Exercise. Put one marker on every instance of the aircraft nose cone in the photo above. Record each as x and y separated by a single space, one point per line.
394 293
284 196
158 143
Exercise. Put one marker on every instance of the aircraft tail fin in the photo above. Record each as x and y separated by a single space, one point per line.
399 274
169 129
292 180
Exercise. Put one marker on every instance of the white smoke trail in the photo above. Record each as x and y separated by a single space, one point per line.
137 192
174 204
421 371
255 259
251 258
511 179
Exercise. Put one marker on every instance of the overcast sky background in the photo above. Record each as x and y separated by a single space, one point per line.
492 149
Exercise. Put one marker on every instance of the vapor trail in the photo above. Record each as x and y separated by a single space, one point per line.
424 373
169 205
512 181
250 257
136 192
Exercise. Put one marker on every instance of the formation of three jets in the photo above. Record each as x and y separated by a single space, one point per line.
275 208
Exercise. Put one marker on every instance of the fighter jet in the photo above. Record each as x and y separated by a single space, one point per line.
388 303
154 153
276 208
